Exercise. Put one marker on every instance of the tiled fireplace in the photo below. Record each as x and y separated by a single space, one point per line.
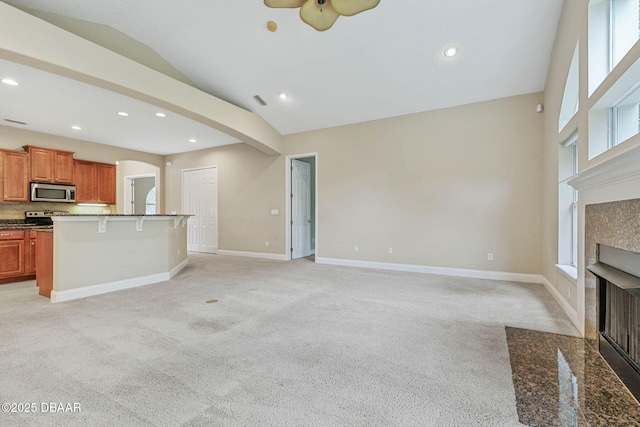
609 208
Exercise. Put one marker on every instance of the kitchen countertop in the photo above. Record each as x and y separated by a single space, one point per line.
125 215
20 224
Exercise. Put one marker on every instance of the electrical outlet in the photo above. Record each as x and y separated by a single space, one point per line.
355 248
569 292
490 256
178 251
266 243
390 250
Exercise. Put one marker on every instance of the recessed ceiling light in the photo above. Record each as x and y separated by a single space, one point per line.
451 51
76 128
10 82
192 140
161 115
122 113
283 95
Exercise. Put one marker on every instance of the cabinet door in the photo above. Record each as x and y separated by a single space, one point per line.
106 183
62 167
41 164
85 179
12 256
15 175
44 278
30 262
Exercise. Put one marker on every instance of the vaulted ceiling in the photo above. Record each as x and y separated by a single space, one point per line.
384 62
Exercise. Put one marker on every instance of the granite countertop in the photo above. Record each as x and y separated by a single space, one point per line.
21 224
126 215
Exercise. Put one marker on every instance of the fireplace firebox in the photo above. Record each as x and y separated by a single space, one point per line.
618 312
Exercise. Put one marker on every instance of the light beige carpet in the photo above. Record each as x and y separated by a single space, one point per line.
287 343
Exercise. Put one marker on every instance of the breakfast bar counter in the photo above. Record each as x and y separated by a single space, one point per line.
96 254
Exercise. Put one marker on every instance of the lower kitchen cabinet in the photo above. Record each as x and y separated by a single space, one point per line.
12 253
18 255
44 265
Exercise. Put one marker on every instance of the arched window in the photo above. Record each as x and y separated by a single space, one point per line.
150 202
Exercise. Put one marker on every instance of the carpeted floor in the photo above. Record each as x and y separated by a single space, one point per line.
286 343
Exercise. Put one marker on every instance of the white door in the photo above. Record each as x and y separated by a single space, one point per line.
200 199
300 209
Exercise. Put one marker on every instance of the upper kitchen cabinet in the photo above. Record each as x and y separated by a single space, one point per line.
47 165
14 166
95 182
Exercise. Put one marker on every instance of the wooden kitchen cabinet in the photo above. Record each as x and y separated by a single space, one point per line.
12 254
44 265
48 165
106 183
14 167
95 182
30 261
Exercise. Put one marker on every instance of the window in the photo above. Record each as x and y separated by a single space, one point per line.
570 98
625 118
567 203
150 202
614 27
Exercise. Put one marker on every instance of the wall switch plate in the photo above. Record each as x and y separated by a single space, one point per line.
390 250
490 256
569 292
266 243
355 248
274 212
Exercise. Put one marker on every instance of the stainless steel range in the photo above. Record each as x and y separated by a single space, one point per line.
42 217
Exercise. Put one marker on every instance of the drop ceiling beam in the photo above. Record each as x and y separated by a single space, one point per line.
31 41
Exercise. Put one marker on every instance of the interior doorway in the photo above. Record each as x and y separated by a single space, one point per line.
200 200
140 195
139 188
302 205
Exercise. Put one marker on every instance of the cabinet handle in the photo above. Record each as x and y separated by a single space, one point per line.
33 243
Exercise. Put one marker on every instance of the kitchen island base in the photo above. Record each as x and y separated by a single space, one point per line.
97 254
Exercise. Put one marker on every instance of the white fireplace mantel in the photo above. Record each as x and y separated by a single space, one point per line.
615 172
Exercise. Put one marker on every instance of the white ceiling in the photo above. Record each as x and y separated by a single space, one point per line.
382 63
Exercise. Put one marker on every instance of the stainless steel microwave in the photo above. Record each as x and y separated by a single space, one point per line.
41 192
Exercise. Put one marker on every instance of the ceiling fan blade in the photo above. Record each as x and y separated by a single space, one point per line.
319 17
352 7
284 3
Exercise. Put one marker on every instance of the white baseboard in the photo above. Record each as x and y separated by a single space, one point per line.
261 255
443 271
103 288
178 268
571 313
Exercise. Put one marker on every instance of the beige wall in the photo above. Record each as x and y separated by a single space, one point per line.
250 185
442 188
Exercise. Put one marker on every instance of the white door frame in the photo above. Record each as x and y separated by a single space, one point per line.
128 195
217 192
287 203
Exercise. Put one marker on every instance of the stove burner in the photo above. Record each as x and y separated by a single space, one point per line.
42 217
